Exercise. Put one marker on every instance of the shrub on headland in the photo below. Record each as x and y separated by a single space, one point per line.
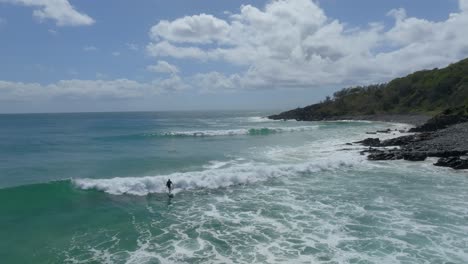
424 92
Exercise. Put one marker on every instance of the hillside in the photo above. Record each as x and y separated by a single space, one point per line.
427 92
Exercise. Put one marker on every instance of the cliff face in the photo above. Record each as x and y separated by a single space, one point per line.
423 92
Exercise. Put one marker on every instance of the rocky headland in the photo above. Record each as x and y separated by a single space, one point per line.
449 145
434 101
444 136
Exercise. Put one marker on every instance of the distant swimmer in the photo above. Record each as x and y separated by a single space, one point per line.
169 185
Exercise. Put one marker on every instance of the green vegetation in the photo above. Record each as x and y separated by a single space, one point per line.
425 92
448 117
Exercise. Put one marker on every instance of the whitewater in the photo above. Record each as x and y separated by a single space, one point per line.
90 188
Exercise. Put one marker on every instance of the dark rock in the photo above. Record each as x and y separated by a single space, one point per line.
384 131
371 150
399 141
447 118
445 162
370 142
453 162
415 156
405 140
385 155
446 153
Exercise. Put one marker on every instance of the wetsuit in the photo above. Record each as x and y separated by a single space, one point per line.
169 185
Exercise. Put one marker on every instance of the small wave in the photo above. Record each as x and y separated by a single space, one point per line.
216 164
251 119
237 132
351 121
205 133
259 119
236 120
238 174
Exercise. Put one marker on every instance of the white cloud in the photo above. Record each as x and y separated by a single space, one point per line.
90 48
215 82
164 48
292 43
133 46
172 84
409 30
101 76
201 28
115 53
464 5
61 11
72 72
163 67
89 89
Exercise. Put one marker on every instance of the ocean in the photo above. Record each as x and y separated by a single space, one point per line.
90 188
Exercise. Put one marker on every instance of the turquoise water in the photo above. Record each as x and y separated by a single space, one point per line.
89 188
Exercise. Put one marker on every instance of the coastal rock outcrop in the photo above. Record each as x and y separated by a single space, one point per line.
453 162
397 155
449 144
405 140
385 155
370 142
415 156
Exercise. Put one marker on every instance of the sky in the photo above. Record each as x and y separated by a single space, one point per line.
155 55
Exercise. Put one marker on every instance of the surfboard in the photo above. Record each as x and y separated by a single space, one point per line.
170 195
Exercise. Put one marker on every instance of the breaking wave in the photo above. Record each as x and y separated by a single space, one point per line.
211 178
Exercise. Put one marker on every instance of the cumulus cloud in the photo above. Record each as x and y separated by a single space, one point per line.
201 28
89 89
132 46
172 84
90 48
216 81
293 43
166 49
163 67
61 11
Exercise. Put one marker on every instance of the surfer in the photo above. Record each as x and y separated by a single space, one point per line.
169 185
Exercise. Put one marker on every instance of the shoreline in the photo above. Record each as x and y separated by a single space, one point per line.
441 137
449 144
410 119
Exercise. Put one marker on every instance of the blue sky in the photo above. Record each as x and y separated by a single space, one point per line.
72 55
